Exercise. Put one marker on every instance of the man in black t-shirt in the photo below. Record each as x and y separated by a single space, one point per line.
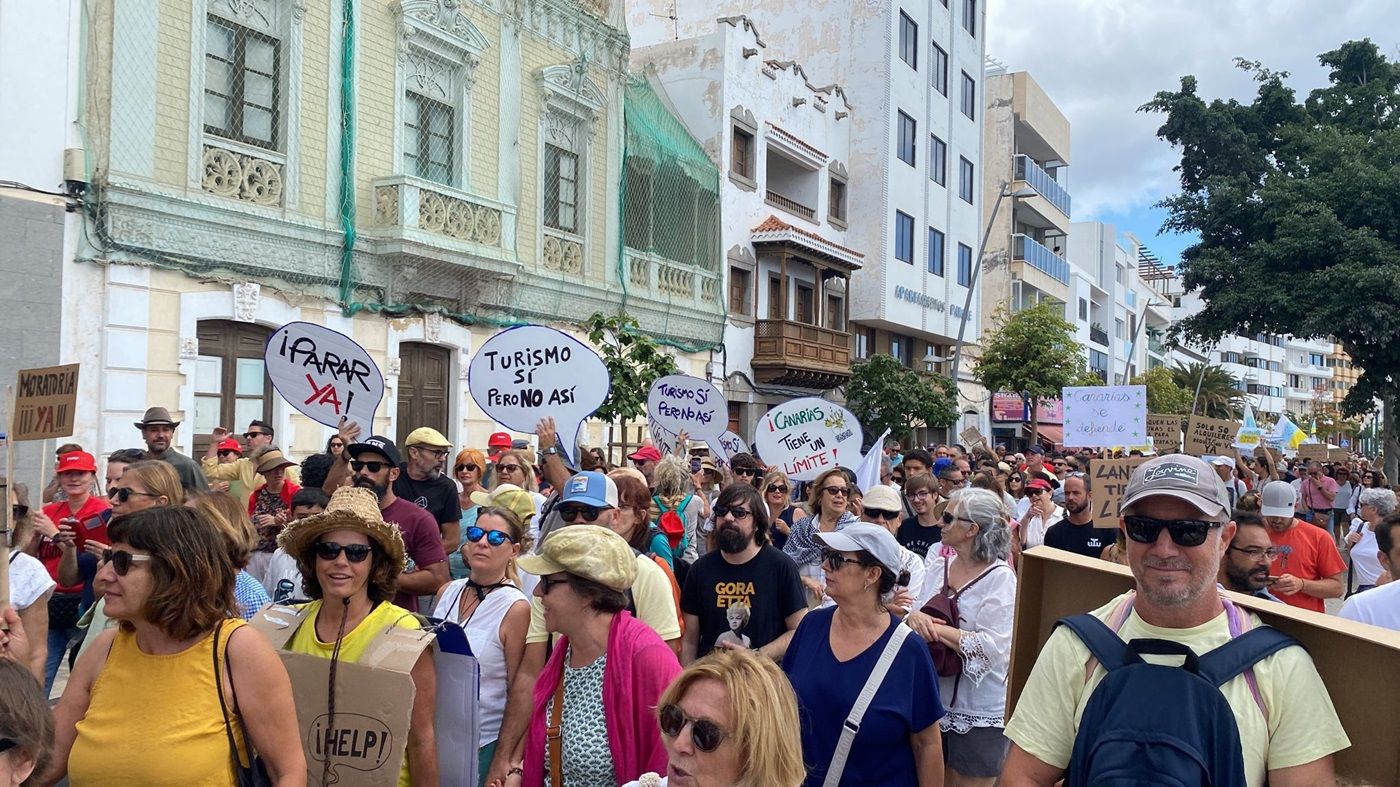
746 593
921 531
1076 532
422 483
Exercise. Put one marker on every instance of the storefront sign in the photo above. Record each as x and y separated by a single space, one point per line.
927 302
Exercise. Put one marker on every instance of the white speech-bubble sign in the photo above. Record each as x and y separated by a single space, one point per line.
324 374
523 374
731 444
808 436
662 439
681 403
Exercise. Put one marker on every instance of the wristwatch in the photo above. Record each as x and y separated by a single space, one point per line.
553 450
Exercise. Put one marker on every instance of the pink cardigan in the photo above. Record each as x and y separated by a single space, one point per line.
640 666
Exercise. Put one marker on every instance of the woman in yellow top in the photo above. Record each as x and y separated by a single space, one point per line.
142 706
350 559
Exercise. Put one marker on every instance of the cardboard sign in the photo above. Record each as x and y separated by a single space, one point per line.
1165 431
970 437
523 374
365 742
680 402
1052 584
1209 436
808 436
1108 482
1338 454
324 374
45 400
732 444
1313 451
1104 416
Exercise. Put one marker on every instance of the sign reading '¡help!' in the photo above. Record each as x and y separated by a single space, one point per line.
808 436
524 374
324 374
681 403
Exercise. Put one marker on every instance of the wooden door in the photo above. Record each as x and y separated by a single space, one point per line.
425 373
231 386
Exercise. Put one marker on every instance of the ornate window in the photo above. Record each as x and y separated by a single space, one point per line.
561 189
572 104
242 83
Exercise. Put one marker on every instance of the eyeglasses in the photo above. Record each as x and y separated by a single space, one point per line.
121 560
508 468
330 550
437 452
1184 532
548 583
834 560
921 494
586 513
880 513
705 734
834 491
1254 553
738 512
493 537
468 466
372 467
776 488
122 494
251 435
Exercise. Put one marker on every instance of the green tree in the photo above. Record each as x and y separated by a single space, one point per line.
1219 395
634 362
1032 353
883 394
1165 396
1295 204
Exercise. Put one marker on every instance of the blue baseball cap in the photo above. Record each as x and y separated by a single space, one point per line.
590 489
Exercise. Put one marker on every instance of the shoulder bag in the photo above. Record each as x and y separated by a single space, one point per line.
867 694
254 774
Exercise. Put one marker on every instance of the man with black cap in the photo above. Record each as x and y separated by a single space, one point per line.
158 430
1176 516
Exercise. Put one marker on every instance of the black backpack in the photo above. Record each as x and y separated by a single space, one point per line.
1152 724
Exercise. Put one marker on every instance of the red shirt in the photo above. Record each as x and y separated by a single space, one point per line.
50 553
1306 551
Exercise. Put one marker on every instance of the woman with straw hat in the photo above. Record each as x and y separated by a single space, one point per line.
350 558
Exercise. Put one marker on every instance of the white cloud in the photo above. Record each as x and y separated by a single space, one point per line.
1099 60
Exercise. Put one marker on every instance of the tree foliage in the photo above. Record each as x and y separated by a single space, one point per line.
634 362
1297 206
1031 352
1165 396
884 394
1219 397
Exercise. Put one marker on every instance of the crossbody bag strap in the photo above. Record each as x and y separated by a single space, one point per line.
233 689
223 704
554 737
867 695
957 594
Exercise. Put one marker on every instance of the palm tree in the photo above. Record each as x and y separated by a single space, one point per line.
1219 395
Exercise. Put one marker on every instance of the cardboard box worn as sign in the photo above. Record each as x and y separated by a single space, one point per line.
1209 436
1313 451
1165 431
373 701
1349 656
1108 481
45 400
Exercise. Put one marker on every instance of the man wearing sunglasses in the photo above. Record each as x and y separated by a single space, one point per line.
1308 569
1177 519
745 469
421 482
241 472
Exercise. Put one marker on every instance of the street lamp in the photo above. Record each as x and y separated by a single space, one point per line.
1020 193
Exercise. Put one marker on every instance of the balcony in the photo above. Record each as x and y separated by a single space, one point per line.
797 354
1026 249
1040 180
1098 335
1157 346
790 205
422 221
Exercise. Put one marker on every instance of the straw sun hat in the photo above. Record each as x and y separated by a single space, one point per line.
350 508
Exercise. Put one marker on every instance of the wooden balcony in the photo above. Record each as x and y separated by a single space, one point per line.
797 354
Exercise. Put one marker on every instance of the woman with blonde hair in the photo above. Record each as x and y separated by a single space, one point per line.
518 467
727 720
149 483
232 520
674 490
782 512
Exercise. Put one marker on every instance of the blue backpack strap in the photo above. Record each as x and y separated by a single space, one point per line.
1239 654
1106 646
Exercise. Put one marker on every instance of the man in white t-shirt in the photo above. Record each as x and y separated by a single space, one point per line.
1380 606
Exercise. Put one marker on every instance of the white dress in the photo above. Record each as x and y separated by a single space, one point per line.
483 630
987 611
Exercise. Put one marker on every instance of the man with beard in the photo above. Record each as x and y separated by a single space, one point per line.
743 569
1308 569
158 430
375 465
422 483
1075 532
1245 567
1176 517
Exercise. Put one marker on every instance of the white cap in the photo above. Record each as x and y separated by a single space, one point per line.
1222 461
1278 499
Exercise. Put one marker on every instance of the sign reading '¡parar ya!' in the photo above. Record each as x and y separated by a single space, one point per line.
324 374
808 436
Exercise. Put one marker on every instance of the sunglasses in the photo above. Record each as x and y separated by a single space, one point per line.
507 468
745 471
777 488
949 519
835 491
251 435
834 560
493 537
373 467
898 479
879 513
575 513
468 466
123 494
121 560
738 512
548 583
1184 532
705 734
330 550
229 453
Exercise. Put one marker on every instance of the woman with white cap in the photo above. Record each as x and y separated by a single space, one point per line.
838 652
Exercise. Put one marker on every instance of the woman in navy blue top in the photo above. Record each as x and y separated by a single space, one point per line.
836 648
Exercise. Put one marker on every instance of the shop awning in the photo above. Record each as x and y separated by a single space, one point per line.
1052 432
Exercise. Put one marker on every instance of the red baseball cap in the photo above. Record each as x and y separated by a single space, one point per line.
646 453
230 444
500 440
76 460
1038 483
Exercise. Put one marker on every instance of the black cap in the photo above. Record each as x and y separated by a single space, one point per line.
377 444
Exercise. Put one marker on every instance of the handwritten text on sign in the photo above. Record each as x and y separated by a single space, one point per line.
44 402
523 374
731 444
808 436
324 374
1165 431
1105 416
1209 436
682 403
1110 480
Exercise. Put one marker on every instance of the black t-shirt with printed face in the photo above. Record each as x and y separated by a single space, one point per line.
916 538
768 583
437 496
1084 540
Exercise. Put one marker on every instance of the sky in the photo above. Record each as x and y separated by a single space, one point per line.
1099 60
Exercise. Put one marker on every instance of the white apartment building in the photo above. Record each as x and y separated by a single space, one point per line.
1120 316
783 147
913 73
